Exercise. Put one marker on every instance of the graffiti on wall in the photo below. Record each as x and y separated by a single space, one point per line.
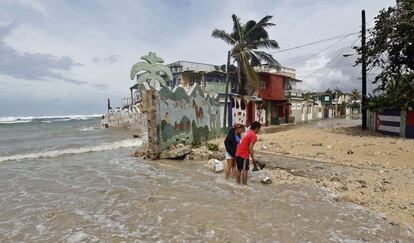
187 117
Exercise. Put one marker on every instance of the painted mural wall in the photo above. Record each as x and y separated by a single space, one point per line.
238 105
392 122
188 117
260 113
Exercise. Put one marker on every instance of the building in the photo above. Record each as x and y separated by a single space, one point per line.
186 74
277 88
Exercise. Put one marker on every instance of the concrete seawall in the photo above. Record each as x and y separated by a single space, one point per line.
130 121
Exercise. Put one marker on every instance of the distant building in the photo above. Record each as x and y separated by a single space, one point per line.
186 74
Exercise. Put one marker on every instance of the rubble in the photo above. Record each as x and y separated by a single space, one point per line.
215 165
176 152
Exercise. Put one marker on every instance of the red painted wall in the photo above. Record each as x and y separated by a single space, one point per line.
410 118
275 87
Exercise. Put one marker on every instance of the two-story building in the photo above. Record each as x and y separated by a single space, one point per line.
274 87
186 74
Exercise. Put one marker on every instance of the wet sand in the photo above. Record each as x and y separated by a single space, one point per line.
365 168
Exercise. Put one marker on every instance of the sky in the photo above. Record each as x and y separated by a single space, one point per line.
62 57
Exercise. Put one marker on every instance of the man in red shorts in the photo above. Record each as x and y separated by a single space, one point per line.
245 151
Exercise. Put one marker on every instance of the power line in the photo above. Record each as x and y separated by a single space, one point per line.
320 52
315 42
335 61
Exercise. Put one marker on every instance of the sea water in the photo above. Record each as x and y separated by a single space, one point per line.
66 179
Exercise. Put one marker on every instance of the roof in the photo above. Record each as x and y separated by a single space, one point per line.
280 75
192 62
204 72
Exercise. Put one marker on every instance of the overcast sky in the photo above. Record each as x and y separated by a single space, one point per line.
67 57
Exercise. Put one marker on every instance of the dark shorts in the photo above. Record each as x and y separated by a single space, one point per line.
242 163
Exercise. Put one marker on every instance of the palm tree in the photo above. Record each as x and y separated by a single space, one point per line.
355 97
308 96
151 69
247 40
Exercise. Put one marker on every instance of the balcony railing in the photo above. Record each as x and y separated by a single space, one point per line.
289 72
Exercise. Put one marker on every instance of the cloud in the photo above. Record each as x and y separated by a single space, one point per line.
33 66
100 86
108 37
32 4
107 60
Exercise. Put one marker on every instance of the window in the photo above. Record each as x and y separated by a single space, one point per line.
263 84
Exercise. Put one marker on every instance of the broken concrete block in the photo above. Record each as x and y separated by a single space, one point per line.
215 165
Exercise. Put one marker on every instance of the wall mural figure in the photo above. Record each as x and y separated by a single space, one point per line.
198 112
151 69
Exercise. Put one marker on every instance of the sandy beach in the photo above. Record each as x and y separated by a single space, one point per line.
362 167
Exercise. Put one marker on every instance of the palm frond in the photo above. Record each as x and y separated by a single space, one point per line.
262 24
254 60
249 25
237 28
268 58
223 35
268 44
249 71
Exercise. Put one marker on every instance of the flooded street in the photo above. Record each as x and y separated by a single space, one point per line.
108 196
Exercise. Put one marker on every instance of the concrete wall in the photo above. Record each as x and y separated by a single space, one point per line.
131 119
186 117
296 110
392 122
238 110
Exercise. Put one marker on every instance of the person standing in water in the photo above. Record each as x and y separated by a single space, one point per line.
245 151
230 143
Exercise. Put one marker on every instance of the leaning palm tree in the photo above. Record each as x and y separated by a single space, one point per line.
247 40
151 69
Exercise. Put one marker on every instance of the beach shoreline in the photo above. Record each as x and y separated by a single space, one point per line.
361 167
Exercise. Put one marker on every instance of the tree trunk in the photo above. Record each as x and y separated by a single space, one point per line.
241 84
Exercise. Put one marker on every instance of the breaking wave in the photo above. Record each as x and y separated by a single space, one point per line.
56 153
88 129
47 119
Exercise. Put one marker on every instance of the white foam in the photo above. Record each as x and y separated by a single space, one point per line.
87 129
79 236
55 153
21 119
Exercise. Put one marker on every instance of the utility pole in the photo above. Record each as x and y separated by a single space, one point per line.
364 73
227 91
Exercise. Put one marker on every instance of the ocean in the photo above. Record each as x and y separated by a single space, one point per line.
65 179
